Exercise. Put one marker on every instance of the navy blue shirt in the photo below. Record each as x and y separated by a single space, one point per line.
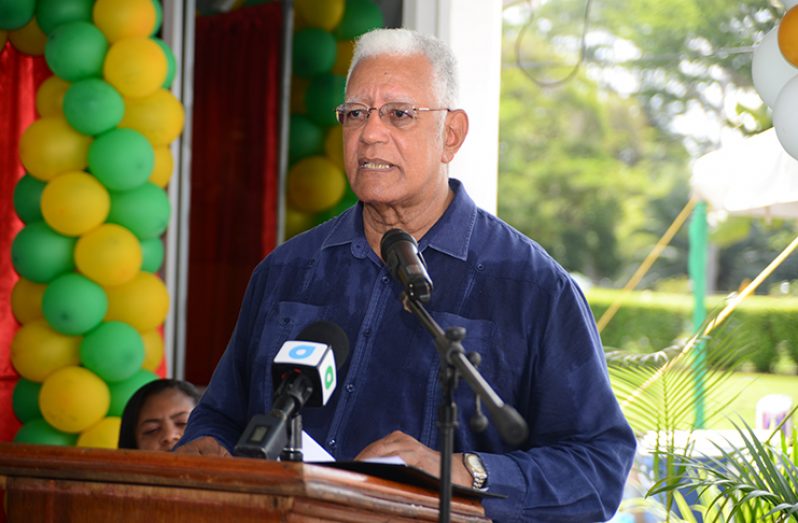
522 312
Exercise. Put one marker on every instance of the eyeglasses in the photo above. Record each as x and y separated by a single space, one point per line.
400 115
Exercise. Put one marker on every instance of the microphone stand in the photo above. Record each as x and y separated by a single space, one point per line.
455 364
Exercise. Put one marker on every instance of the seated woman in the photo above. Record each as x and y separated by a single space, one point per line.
156 415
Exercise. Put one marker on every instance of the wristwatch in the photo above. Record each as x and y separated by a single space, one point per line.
473 463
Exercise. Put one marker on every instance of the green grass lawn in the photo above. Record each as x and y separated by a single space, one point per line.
751 388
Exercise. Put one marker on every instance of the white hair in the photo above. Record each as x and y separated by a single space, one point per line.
404 42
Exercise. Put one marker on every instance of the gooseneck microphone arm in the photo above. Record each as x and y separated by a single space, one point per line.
399 250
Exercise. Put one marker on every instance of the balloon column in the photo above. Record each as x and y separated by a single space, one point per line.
775 73
322 48
94 208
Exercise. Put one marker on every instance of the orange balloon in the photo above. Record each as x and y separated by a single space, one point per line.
26 300
74 203
50 96
153 349
159 116
29 39
50 146
136 67
788 36
142 302
164 166
37 350
119 19
315 184
109 255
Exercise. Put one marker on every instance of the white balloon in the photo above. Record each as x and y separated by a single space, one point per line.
769 69
784 117
789 4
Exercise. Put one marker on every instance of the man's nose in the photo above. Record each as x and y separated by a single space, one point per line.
375 129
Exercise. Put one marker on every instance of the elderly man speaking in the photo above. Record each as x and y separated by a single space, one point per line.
522 313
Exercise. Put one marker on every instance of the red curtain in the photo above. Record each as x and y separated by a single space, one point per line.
20 77
234 171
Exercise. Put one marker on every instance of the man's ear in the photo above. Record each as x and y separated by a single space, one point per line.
455 129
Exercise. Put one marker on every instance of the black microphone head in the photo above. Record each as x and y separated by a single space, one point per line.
330 334
388 240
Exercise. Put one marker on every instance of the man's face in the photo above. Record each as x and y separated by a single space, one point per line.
386 165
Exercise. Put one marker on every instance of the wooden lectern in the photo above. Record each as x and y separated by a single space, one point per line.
69 484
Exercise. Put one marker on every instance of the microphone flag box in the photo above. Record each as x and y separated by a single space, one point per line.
315 360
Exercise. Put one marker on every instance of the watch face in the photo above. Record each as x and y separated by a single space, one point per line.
476 468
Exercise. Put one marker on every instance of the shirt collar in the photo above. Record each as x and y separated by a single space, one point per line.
450 235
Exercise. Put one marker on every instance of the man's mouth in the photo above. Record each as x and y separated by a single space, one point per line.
375 165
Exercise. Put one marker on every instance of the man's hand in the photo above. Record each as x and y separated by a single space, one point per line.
204 446
413 453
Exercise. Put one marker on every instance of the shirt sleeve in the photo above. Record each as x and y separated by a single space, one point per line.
222 412
580 446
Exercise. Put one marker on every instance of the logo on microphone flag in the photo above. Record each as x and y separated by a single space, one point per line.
316 356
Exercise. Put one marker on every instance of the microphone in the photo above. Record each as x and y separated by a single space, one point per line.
303 373
399 251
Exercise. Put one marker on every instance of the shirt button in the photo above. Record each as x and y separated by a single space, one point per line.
385 279
331 443
350 388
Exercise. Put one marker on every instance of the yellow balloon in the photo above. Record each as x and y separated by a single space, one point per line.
164 166
37 350
324 14
299 87
102 435
315 184
50 96
343 56
109 255
119 19
29 39
142 302
73 399
296 222
334 146
153 349
50 146
74 203
159 116
135 66
26 300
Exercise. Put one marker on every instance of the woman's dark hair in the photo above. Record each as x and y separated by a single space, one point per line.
130 416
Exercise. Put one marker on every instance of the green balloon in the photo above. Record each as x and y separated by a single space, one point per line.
92 106
360 16
15 13
144 210
313 52
73 304
76 50
51 14
121 159
171 63
122 390
114 351
25 400
41 254
28 197
39 432
324 94
158 17
152 253
305 138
